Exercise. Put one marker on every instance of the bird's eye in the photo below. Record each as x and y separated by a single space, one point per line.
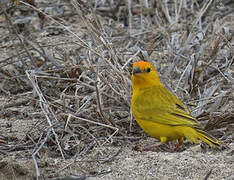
148 69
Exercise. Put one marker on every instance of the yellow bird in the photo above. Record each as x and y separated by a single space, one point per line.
160 113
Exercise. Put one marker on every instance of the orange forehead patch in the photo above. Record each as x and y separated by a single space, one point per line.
142 64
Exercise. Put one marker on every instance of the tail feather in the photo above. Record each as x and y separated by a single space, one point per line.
212 141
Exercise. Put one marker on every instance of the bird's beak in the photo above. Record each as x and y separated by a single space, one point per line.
136 70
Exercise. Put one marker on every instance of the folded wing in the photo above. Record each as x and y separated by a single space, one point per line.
157 104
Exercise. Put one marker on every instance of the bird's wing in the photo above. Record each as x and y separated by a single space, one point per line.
157 104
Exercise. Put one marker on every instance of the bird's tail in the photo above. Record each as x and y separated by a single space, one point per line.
212 141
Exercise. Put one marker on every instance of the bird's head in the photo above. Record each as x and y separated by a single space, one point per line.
144 75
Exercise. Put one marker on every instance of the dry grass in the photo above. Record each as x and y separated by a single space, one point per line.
79 85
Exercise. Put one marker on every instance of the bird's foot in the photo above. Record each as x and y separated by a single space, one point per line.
157 147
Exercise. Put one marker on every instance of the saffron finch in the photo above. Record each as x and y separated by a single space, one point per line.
160 113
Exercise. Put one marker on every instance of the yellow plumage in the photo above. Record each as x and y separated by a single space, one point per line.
160 113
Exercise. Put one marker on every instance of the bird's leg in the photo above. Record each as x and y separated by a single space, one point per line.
178 146
151 147
164 146
159 147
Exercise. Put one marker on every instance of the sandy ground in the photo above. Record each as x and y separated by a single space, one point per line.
117 162
125 163
190 164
